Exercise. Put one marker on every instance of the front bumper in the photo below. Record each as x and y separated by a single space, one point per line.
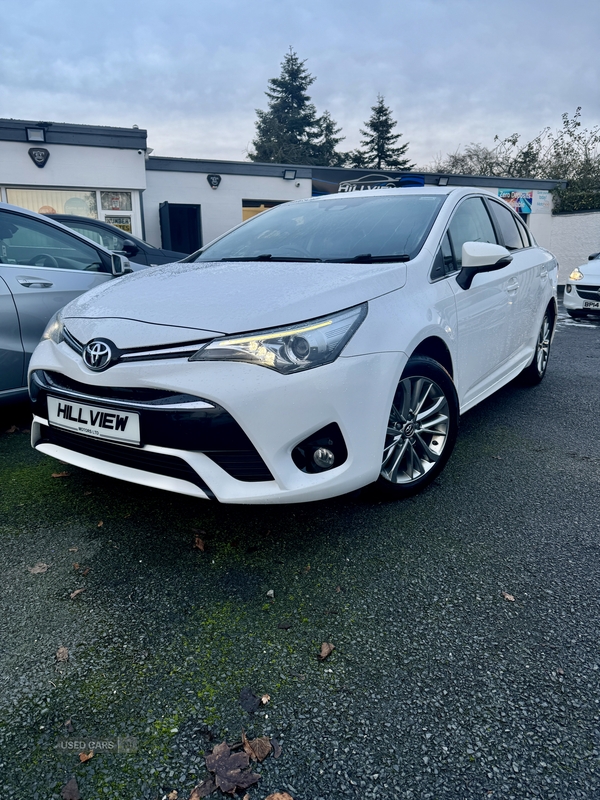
235 443
582 296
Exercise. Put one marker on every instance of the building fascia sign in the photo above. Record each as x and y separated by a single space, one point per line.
214 181
39 156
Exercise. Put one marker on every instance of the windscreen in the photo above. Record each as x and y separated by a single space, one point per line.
337 229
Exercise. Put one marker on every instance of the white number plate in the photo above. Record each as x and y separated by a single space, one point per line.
101 423
590 304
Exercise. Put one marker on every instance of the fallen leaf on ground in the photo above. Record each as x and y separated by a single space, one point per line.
70 791
560 671
60 474
69 726
265 699
85 572
208 786
248 700
86 493
62 654
100 524
279 796
276 748
39 568
230 769
326 650
307 568
258 749
271 594
198 543
173 795
285 626
74 594
338 589
508 597
12 429
73 549
83 757
75 565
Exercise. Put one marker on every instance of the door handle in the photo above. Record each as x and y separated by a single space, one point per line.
543 273
34 283
512 286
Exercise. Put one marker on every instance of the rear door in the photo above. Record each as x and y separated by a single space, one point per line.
44 268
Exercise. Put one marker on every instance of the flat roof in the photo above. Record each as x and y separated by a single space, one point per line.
332 176
15 130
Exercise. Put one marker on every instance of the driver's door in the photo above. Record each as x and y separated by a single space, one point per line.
44 268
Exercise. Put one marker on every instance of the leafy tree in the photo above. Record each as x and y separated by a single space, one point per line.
378 147
571 153
290 131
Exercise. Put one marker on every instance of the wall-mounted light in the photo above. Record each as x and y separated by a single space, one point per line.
36 135
442 181
289 174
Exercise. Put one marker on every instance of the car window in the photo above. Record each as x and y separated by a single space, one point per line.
508 226
524 233
470 223
28 241
108 239
444 261
334 228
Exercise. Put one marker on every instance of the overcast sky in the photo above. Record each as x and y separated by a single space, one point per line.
192 72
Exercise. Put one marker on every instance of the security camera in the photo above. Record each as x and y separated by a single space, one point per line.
297 183
140 152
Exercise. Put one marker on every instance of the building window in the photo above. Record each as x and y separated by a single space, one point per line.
115 201
55 201
250 208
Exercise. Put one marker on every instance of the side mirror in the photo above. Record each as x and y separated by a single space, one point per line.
481 257
593 256
119 264
130 248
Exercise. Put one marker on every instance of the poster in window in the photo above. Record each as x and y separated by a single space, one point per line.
115 201
520 200
124 223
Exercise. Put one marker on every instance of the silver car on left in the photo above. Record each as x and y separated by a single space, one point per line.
43 266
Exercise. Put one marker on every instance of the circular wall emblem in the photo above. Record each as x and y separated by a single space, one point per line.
97 355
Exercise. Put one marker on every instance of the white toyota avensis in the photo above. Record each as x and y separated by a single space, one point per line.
323 345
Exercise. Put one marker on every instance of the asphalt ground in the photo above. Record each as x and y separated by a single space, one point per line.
439 686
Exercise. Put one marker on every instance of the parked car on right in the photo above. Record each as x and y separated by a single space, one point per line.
582 290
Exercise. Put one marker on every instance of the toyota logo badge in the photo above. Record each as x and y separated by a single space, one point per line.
97 355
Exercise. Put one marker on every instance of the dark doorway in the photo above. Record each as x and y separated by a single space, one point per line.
180 227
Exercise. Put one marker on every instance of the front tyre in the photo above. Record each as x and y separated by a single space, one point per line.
421 429
535 372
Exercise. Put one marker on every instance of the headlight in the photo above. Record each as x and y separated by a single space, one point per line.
576 275
290 349
54 329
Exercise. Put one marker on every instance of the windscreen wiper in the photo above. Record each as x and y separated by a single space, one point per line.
269 257
367 258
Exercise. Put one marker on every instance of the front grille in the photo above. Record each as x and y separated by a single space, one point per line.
589 292
154 353
165 421
158 463
158 397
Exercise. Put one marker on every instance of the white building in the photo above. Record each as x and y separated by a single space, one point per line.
181 203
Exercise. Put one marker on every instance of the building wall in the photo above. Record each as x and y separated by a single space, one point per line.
221 209
73 166
574 237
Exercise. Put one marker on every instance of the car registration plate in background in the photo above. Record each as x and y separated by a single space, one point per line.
101 423
591 304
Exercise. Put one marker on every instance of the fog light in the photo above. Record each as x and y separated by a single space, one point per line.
569 288
321 451
323 458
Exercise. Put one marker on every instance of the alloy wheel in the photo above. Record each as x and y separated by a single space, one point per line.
417 430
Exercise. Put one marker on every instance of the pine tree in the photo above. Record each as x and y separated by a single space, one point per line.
290 132
378 151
